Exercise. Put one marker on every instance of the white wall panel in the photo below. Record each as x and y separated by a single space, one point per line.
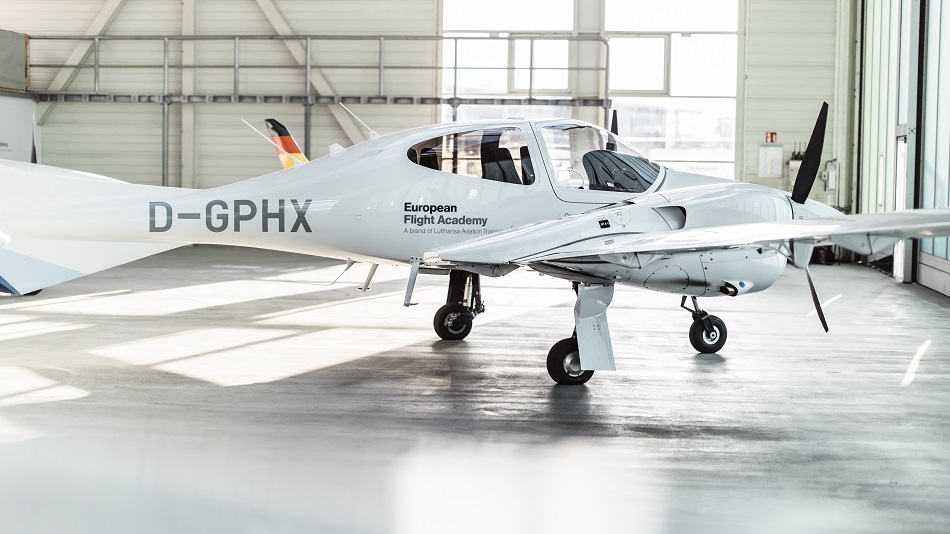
124 140
790 69
879 114
16 129
148 17
58 17
118 140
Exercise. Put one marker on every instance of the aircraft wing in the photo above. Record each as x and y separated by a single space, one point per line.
864 233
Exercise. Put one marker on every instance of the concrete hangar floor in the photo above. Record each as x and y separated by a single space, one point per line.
230 390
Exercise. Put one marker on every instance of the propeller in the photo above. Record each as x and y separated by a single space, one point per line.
812 159
801 255
814 297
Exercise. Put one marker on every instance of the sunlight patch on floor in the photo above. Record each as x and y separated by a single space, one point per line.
181 299
18 303
53 394
20 386
292 356
36 328
161 349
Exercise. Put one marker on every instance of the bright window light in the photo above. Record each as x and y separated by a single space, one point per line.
672 15
547 55
504 15
704 65
637 64
697 133
482 66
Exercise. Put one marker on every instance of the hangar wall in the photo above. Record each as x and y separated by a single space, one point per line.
16 132
209 145
797 54
792 56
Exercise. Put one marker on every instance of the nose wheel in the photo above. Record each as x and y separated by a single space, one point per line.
453 321
707 334
464 301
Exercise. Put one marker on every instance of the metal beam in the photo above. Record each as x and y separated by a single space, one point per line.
188 137
81 52
327 100
319 82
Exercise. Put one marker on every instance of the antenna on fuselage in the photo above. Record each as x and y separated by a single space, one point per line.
372 132
611 145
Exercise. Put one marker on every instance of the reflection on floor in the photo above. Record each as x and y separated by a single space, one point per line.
226 390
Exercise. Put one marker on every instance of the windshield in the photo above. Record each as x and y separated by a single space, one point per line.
588 157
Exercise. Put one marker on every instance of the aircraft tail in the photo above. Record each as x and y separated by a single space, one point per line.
282 138
57 225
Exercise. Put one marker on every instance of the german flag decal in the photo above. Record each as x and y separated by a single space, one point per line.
279 134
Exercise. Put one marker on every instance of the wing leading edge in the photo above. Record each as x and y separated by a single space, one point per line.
864 234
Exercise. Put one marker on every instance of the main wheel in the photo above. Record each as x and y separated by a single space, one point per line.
452 322
564 363
707 342
33 293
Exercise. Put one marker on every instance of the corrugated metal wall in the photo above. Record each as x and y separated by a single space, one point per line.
124 140
878 157
791 56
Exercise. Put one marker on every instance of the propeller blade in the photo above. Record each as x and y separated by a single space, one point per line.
814 297
613 124
812 158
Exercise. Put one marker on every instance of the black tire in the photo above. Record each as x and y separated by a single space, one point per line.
33 293
452 322
705 343
564 363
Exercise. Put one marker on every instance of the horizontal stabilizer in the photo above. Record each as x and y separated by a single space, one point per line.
40 263
57 225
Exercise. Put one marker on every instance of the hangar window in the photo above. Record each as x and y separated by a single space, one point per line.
674 79
585 157
497 154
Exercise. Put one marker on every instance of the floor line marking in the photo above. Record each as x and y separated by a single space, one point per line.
824 305
912 368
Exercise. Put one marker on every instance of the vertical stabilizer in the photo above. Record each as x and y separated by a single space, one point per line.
282 138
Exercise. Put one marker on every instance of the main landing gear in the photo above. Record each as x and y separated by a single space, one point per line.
464 301
564 363
590 320
707 334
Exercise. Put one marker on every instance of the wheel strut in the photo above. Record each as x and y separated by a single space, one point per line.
462 303
465 288
699 315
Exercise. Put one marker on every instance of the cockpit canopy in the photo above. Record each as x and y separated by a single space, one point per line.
587 157
582 155
497 154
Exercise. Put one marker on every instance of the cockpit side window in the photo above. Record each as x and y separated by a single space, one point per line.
586 157
497 154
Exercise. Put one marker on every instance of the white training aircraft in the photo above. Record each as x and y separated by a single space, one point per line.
563 197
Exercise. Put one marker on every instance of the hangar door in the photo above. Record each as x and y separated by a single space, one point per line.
934 258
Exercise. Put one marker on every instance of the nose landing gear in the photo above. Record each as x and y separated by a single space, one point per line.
463 302
707 334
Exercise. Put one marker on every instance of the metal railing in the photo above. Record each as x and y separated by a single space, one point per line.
167 65
98 61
